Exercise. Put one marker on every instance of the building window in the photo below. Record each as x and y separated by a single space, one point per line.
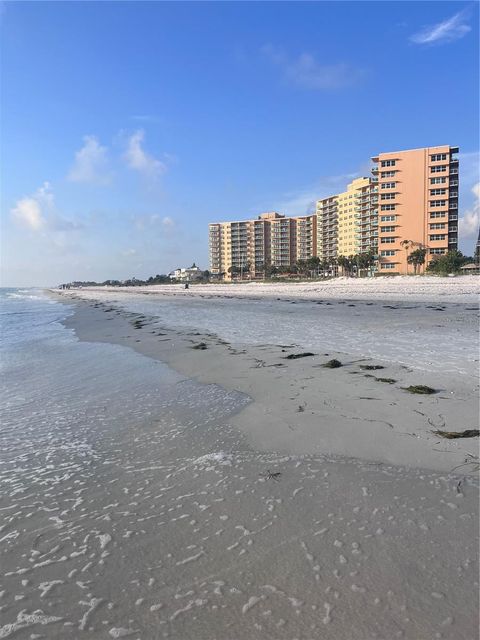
388 252
389 229
435 157
437 203
438 214
438 236
387 207
388 218
437 251
388 163
441 168
441 180
438 192
437 225
388 196
388 240
388 185
388 265
387 174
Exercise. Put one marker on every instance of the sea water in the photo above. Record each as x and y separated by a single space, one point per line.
77 419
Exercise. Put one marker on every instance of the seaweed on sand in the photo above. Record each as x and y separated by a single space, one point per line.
332 364
371 367
295 356
421 389
468 433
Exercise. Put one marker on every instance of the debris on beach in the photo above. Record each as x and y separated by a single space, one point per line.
386 380
294 356
468 433
371 367
420 388
201 346
333 364
271 475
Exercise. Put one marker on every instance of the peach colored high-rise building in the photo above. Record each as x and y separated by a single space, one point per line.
418 205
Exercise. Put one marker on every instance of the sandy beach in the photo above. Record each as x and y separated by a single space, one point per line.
232 490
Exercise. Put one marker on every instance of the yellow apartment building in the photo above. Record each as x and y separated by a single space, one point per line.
357 218
418 204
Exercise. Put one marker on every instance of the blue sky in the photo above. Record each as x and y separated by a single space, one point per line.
127 127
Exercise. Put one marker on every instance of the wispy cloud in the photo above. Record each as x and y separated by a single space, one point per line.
469 223
139 160
91 163
302 201
449 30
142 222
38 213
308 73
30 211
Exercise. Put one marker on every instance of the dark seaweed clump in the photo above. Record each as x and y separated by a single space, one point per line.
295 356
333 364
421 389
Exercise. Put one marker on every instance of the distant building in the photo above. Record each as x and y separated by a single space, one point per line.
243 249
187 274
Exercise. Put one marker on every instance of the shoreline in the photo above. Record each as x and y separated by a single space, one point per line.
298 406
461 289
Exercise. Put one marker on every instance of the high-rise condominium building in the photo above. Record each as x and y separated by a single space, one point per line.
245 248
418 204
347 223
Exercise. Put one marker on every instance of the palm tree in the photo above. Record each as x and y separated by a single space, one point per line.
417 258
406 244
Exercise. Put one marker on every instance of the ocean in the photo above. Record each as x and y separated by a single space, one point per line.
83 430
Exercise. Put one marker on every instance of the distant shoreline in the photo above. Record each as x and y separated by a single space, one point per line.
425 288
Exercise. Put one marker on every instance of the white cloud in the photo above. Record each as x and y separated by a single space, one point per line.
449 30
37 212
469 223
139 160
142 222
306 72
129 252
91 163
301 202
30 211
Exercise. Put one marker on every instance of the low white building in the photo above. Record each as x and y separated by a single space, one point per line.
187 274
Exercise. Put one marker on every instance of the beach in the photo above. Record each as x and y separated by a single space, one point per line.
216 480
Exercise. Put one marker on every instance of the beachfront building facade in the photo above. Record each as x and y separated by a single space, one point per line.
247 249
418 205
409 202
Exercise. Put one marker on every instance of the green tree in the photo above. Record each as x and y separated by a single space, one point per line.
346 264
302 266
417 258
448 263
313 265
406 244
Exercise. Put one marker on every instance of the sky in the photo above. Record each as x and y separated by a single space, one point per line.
126 127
